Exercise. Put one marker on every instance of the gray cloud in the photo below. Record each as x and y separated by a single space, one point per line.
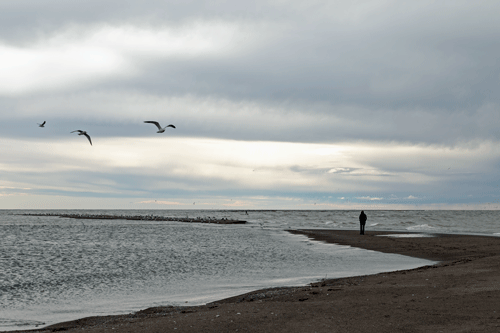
422 75
250 120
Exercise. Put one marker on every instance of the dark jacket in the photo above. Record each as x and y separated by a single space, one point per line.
362 218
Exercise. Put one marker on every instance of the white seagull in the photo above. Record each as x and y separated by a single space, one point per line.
83 133
42 124
160 129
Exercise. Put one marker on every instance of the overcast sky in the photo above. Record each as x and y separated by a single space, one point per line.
277 104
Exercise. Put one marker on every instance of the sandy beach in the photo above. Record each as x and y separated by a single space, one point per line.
459 294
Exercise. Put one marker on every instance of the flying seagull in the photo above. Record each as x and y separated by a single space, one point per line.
42 124
83 133
160 129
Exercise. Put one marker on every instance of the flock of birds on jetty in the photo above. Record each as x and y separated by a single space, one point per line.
80 132
144 218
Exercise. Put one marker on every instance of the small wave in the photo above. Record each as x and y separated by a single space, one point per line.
5 322
421 227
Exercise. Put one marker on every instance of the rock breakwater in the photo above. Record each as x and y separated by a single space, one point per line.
143 218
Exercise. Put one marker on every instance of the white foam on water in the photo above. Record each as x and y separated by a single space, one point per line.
421 227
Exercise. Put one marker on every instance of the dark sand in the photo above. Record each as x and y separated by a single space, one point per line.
460 294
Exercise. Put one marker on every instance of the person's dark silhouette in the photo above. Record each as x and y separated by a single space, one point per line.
362 222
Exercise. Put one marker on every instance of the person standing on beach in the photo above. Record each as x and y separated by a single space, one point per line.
362 222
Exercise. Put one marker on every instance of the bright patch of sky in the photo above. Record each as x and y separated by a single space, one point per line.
277 104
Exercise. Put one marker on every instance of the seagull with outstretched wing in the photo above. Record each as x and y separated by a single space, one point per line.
160 129
83 133
42 124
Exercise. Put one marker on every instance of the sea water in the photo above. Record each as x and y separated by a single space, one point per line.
56 269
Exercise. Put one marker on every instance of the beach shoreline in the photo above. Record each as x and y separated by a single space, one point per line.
458 294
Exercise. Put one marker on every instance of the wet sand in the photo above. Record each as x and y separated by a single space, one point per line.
460 294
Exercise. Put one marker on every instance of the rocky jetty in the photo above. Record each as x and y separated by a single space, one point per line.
144 218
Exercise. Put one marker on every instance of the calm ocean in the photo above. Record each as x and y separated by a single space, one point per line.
56 269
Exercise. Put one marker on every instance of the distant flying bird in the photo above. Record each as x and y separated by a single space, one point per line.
83 133
160 129
42 124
